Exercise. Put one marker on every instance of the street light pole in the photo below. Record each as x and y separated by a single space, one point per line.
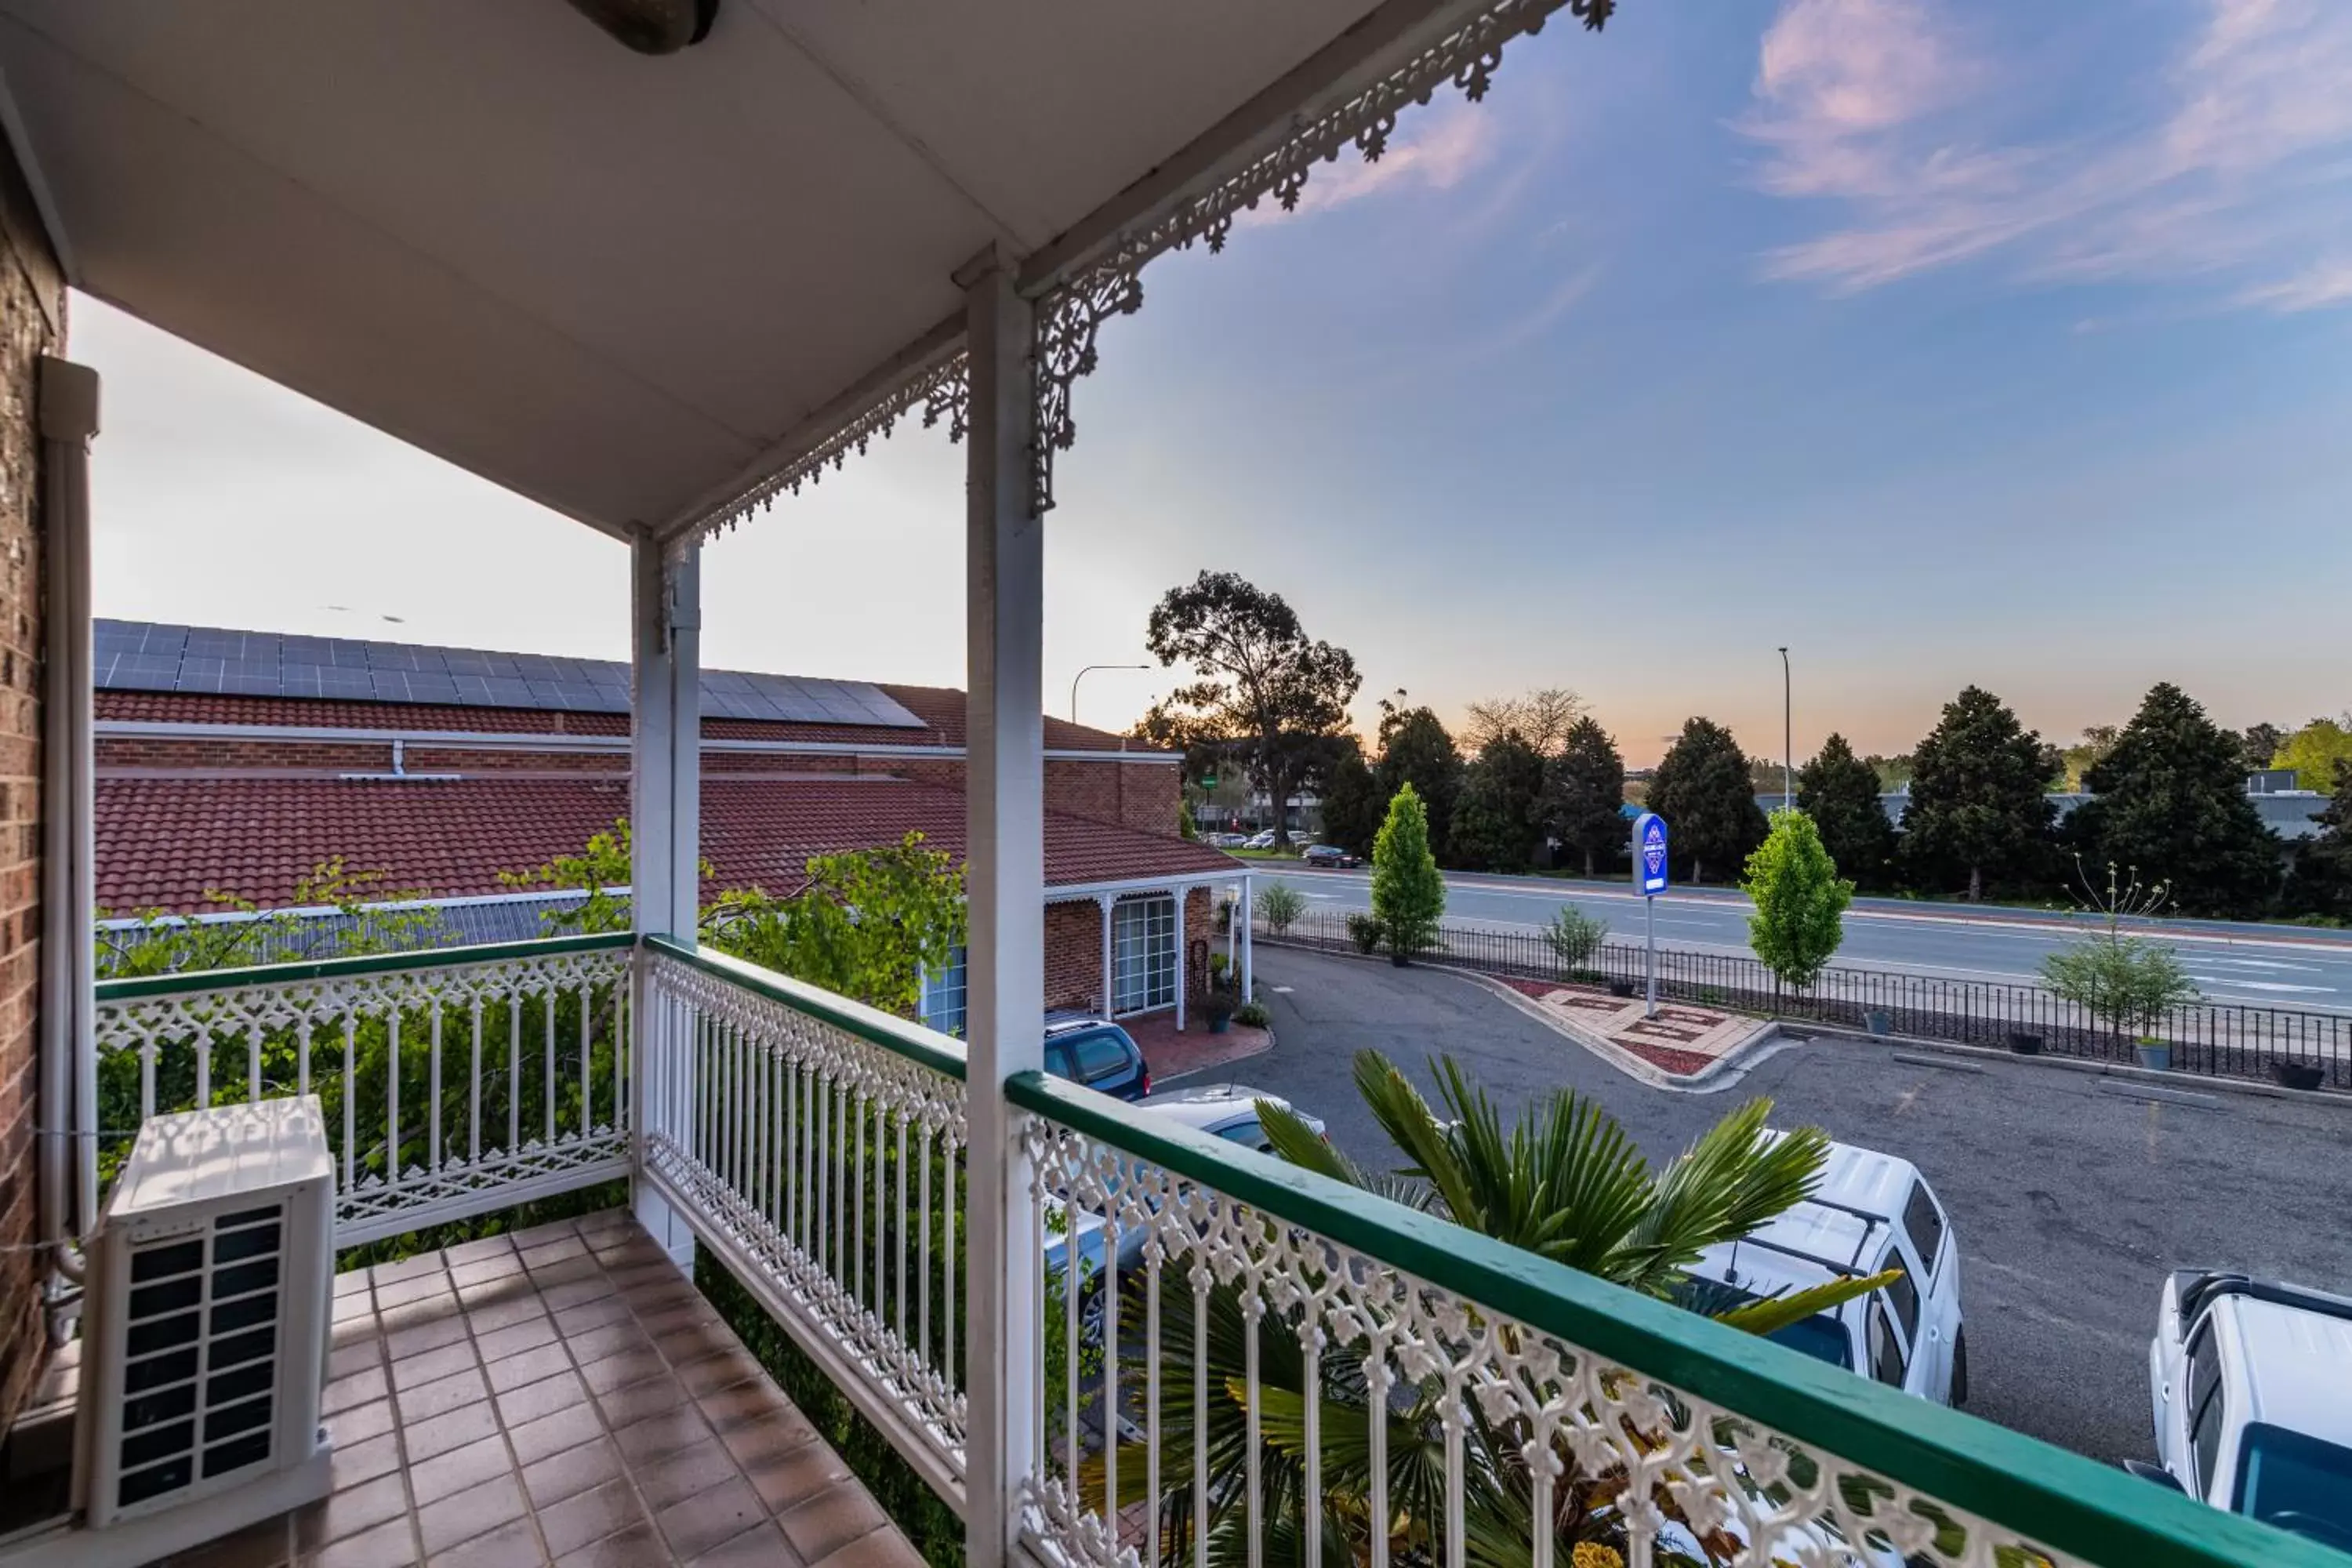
1787 738
1088 670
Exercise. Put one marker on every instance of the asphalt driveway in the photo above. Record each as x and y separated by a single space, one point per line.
2072 1194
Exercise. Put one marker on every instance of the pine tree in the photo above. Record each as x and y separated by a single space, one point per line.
1498 823
1416 750
1840 792
1408 895
2323 864
2169 802
1584 795
1702 789
1800 899
1980 811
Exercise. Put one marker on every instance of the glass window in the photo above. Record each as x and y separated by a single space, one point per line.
1905 1295
942 1005
2297 1482
1144 954
1248 1134
1057 1060
1100 1055
1887 1362
2204 1405
1925 1221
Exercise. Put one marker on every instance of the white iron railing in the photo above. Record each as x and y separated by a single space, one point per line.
817 1146
456 1081
1473 1403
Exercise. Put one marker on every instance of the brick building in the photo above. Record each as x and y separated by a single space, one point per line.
236 763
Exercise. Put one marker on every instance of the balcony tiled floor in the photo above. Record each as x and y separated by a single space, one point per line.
561 1395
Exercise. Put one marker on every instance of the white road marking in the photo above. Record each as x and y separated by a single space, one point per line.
2233 983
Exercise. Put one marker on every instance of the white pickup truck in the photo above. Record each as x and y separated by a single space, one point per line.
2252 1384
1870 1212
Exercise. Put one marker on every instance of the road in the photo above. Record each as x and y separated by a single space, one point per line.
2264 965
2072 1194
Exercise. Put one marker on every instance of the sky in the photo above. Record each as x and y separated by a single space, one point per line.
1944 342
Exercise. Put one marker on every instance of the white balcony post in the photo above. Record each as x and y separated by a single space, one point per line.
1110 968
1005 879
1183 970
68 1087
664 819
1246 916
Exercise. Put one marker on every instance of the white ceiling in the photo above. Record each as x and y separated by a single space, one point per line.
606 280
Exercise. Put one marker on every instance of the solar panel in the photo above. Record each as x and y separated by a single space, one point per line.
146 655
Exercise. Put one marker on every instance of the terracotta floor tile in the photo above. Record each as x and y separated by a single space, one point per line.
756 1442
527 1363
488 1246
762 1546
786 1480
659 1434
535 1440
347 1512
461 1516
363 1460
425 1334
511 1545
756 1399
680 1475
572 1471
351 1358
478 1271
266 1544
641 1547
361 1422
443 1395
586 1315
884 1547
392 1544
618 1372
611 1339
714 1373
592 1286
359 1387
444 1475
428 1366
696 1524
545 1397
627 1407
464 1424
590 1516
830 1520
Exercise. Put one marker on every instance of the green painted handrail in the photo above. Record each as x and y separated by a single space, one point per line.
924 1047
2042 1494
267 975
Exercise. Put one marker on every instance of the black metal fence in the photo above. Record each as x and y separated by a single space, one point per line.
2215 1038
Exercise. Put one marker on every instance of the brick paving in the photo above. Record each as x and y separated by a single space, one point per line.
560 1395
1682 1039
1174 1054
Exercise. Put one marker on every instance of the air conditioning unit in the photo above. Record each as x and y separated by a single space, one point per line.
206 1331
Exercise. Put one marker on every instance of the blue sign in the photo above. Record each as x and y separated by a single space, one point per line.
1650 852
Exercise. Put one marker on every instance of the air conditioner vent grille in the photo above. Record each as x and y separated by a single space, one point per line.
200 1376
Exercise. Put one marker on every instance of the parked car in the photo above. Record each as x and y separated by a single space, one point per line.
1327 855
1872 1212
1226 1110
2251 1387
1097 1052
1228 840
1267 838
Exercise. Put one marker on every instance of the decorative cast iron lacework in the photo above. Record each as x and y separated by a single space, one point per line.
944 393
1069 318
448 1090
826 1165
1242 1312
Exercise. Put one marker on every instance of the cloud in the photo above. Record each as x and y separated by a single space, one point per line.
1435 148
2232 169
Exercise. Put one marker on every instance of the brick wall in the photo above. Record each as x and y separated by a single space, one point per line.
32 318
1074 965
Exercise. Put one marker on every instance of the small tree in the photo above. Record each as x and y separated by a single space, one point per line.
1800 900
867 924
1408 895
1281 904
2127 981
1574 936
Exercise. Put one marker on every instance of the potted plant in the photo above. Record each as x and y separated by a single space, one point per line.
2024 1043
1620 989
2152 1054
1222 1006
1878 1020
2127 983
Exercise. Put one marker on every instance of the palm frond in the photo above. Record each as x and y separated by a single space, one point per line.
1770 1314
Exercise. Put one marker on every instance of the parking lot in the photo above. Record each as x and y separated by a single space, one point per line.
2072 1194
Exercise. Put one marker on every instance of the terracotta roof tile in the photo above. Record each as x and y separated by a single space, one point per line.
164 843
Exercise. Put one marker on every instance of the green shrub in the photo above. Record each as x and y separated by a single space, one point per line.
1574 937
1254 1015
1367 932
1282 905
1408 894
